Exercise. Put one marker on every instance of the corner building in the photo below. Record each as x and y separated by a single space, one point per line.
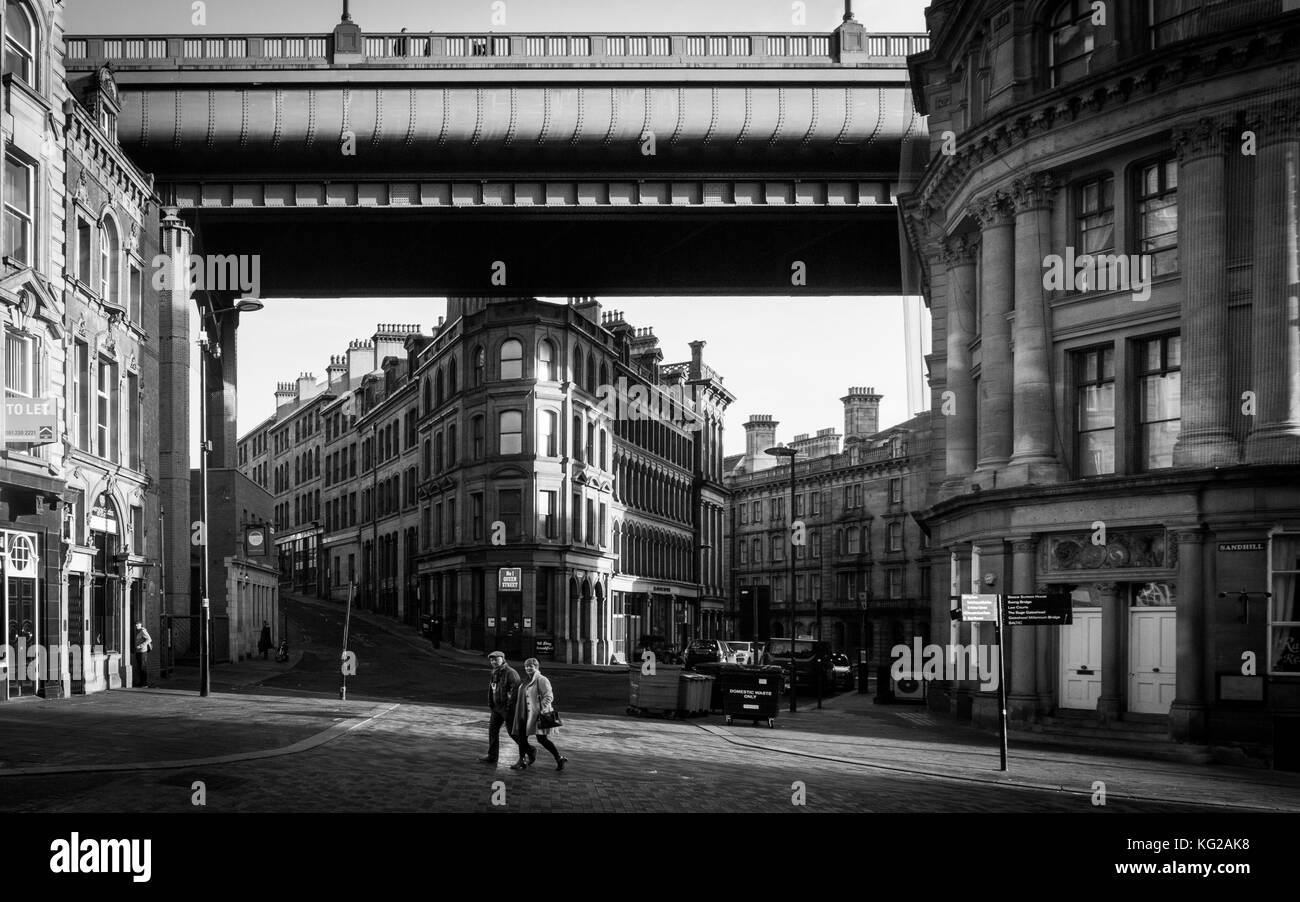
1133 443
532 458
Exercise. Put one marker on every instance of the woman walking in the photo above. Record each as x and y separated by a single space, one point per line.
535 699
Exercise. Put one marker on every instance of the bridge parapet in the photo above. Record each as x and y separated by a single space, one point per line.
489 50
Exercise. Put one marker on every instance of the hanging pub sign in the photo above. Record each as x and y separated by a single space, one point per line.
255 541
31 420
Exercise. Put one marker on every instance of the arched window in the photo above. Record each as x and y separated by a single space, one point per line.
110 264
451 377
577 438
20 42
545 361
428 397
512 432
451 445
604 449
591 374
439 385
480 365
512 359
547 439
577 366
604 373
1071 41
425 459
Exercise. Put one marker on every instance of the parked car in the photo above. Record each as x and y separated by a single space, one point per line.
810 657
703 651
740 652
843 672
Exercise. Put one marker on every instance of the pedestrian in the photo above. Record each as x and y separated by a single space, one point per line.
264 644
436 631
142 644
502 690
536 697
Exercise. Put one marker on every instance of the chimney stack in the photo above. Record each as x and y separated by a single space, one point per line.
760 434
307 387
361 359
697 359
861 414
337 371
285 393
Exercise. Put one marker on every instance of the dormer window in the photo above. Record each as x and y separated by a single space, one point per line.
20 42
108 122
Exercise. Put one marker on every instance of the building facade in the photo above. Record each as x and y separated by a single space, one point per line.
81 545
861 560
1103 229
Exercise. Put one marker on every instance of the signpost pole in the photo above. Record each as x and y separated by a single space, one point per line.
347 622
1002 682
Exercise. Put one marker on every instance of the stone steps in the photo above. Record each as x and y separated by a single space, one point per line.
1133 739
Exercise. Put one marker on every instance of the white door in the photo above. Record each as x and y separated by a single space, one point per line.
1081 660
1152 656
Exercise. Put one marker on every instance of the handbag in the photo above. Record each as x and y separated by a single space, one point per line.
549 720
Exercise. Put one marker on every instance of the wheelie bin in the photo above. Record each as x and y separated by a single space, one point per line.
751 692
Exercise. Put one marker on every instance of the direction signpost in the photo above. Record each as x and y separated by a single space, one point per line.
1039 610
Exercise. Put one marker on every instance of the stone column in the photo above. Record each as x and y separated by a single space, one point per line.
1022 691
1112 652
958 405
997 282
223 391
1187 714
174 412
1206 438
1034 418
1275 290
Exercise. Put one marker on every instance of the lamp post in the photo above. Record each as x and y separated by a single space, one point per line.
206 350
789 454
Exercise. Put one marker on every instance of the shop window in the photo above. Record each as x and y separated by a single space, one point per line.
1284 606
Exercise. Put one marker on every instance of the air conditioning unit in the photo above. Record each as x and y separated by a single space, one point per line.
908 689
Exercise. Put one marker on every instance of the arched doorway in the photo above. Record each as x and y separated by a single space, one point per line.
107 621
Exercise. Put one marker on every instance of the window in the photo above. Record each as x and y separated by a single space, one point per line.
577 438
604 450
134 422
512 432
591 522
83 251
20 42
744 513
1173 20
476 514
19 185
1159 404
575 532
1157 212
894 583
744 552
896 490
547 440
437 453
476 437
857 495
852 538
1095 393
577 366
1284 606
480 365
1094 217
777 542
107 397
816 502
546 362
546 511
895 536
1073 38
756 551
20 365
512 360
110 264
757 511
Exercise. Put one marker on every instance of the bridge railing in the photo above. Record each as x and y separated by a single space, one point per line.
481 49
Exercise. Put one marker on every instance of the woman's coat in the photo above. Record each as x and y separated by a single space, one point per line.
534 697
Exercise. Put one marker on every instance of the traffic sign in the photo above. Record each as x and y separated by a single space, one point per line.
979 608
1039 610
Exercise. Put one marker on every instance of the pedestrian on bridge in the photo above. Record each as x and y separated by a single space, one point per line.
535 716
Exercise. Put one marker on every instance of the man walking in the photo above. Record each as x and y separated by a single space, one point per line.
143 643
502 690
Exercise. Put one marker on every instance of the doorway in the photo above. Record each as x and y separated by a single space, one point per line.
1152 660
1081 660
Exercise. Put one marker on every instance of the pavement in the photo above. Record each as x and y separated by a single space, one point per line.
169 727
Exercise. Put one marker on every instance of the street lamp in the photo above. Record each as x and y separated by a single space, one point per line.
789 453
206 350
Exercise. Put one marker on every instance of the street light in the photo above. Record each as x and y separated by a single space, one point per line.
207 349
789 453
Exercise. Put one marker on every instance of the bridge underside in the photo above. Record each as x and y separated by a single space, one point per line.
391 253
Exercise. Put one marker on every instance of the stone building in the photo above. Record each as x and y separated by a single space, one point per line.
1103 230
862 576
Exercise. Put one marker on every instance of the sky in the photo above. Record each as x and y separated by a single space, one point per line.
791 359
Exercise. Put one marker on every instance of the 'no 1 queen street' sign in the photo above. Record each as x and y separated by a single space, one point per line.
34 420
508 579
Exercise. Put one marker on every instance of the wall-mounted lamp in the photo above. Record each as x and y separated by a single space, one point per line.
990 579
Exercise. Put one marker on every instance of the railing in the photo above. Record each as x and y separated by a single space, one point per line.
482 49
